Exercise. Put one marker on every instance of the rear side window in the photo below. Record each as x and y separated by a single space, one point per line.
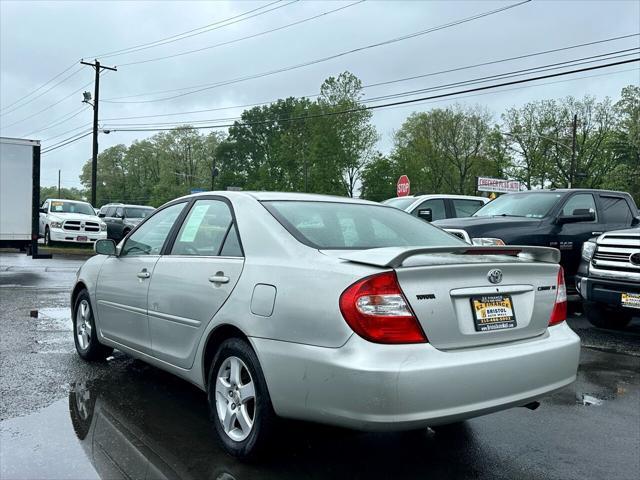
437 208
616 210
208 230
334 225
465 208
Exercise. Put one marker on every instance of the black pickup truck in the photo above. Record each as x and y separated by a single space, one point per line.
562 218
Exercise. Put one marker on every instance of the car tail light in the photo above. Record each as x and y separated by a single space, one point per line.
376 309
559 312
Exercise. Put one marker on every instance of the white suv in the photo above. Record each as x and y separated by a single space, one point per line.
438 206
70 221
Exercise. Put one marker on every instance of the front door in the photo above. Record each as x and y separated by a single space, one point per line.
192 281
123 282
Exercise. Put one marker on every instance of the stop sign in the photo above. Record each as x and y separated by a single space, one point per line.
403 185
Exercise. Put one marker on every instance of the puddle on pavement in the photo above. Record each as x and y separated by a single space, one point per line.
54 318
589 400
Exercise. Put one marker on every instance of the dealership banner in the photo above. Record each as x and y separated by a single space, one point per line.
498 185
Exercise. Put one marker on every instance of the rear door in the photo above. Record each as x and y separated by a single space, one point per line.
193 280
444 298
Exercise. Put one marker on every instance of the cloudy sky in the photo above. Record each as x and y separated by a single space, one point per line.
39 40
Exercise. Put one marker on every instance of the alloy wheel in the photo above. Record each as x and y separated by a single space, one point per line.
235 398
83 324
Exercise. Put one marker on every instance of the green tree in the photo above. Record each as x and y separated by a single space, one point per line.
66 193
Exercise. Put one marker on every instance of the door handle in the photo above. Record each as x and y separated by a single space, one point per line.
597 233
143 274
218 279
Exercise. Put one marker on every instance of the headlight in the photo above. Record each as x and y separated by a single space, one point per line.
103 226
487 241
56 224
587 250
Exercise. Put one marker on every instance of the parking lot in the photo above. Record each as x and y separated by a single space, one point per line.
64 418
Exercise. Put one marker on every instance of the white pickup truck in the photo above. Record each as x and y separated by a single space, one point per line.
70 221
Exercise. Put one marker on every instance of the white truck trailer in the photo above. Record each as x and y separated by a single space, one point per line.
19 194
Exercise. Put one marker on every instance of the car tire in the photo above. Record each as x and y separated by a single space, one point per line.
85 334
603 317
243 425
47 237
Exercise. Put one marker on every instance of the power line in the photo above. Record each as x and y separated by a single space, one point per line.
400 102
330 57
67 116
40 87
537 69
229 42
80 127
191 33
66 142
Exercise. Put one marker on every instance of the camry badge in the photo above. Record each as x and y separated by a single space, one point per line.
495 275
634 258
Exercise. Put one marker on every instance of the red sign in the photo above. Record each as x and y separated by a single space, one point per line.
403 186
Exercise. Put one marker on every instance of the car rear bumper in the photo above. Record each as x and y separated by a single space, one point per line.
605 291
60 235
369 386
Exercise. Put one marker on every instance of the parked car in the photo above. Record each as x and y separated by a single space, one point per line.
609 278
562 218
70 221
121 218
438 207
327 309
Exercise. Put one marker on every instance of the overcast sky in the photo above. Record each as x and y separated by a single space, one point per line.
40 39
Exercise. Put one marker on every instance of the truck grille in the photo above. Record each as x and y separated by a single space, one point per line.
81 226
613 254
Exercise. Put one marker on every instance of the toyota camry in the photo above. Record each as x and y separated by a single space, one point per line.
326 309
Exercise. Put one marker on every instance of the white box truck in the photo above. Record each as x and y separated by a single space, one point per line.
19 193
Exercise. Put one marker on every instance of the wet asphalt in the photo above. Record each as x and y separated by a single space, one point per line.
62 418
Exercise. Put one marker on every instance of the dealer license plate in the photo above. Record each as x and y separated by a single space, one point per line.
631 300
81 238
493 312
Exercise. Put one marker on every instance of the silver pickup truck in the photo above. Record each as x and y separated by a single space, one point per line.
608 278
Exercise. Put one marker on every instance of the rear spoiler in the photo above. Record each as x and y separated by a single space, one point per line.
393 257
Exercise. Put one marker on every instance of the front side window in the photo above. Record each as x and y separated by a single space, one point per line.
334 225
401 203
149 238
579 204
437 208
205 230
119 212
530 205
72 207
137 212
466 208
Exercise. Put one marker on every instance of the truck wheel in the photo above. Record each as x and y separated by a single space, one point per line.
85 333
239 403
602 317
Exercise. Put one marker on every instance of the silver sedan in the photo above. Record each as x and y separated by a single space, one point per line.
326 309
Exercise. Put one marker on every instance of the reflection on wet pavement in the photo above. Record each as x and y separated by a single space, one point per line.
139 422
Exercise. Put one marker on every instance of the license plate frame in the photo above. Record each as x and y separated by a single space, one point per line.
82 238
490 323
630 300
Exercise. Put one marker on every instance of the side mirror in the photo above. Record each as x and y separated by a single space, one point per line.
425 214
43 210
106 246
101 215
579 215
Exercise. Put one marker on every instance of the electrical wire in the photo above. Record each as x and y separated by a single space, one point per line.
66 142
191 33
229 42
400 102
325 59
67 116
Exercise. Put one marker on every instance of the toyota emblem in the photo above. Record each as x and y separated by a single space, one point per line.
634 258
495 275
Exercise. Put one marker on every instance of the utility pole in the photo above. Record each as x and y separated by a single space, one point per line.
58 183
96 97
573 150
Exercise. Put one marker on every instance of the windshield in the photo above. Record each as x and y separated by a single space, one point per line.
400 202
137 212
72 207
530 205
331 225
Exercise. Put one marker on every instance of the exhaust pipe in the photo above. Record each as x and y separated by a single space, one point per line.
532 405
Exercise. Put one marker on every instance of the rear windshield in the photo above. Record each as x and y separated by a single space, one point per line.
400 202
531 205
137 212
339 226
